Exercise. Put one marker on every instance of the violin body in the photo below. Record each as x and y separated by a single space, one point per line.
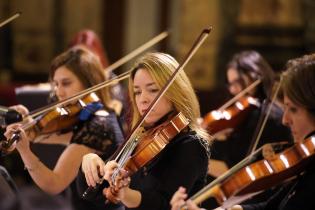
153 142
250 179
56 119
64 117
231 117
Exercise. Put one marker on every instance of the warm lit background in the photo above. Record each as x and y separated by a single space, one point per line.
278 29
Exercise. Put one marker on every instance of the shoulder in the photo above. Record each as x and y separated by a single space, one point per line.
188 143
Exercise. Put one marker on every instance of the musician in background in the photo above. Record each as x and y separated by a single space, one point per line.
183 161
89 39
245 68
97 128
298 92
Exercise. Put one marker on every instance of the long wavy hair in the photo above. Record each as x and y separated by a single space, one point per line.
86 66
160 66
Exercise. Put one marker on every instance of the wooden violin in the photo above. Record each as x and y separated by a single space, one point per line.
56 119
249 178
230 117
154 141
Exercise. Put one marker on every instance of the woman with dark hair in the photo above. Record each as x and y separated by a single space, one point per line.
97 129
89 39
245 68
298 91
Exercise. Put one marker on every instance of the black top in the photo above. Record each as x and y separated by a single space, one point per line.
183 162
298 194
236 146
103 133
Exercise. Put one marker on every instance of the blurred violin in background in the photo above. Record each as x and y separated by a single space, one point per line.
227 118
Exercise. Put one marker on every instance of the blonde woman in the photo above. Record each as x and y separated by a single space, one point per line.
183 162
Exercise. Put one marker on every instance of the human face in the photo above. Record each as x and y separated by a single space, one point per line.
234 81
66 83
298 119
145 90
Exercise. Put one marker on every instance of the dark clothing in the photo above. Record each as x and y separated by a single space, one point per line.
103 133
184 162
236 146
298 194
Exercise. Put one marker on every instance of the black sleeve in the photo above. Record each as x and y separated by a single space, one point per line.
272 203
91 194
187 163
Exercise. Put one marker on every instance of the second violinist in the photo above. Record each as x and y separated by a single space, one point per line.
182 162
97 128
243 69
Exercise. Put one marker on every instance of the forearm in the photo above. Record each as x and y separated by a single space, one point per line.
132 198
46 179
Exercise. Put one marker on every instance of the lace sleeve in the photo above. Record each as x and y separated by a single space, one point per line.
100 132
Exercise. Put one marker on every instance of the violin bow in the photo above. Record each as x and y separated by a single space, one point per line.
132 139
262 123
16 15
113 81
136 52
239 95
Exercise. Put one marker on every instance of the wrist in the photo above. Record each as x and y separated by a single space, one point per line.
32 165
131 198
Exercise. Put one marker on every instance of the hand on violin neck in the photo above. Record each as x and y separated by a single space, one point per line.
21 109
16 138
117 190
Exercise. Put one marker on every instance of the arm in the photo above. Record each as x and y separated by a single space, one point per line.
55 181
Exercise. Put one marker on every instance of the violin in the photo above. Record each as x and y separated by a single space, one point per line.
249 178
230 117
151 143
154 141
59 118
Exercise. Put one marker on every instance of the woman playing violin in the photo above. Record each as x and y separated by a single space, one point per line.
298 90
96 130
89 39
245 68
182 162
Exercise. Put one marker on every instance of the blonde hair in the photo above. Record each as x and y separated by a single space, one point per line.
160 66
86 66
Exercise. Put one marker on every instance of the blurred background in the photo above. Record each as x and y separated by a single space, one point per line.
278 29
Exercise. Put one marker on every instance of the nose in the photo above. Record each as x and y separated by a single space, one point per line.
144 98
285 118
60 93
233 90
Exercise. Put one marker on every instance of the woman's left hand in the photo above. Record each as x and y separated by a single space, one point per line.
23 143
178 200
117 190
